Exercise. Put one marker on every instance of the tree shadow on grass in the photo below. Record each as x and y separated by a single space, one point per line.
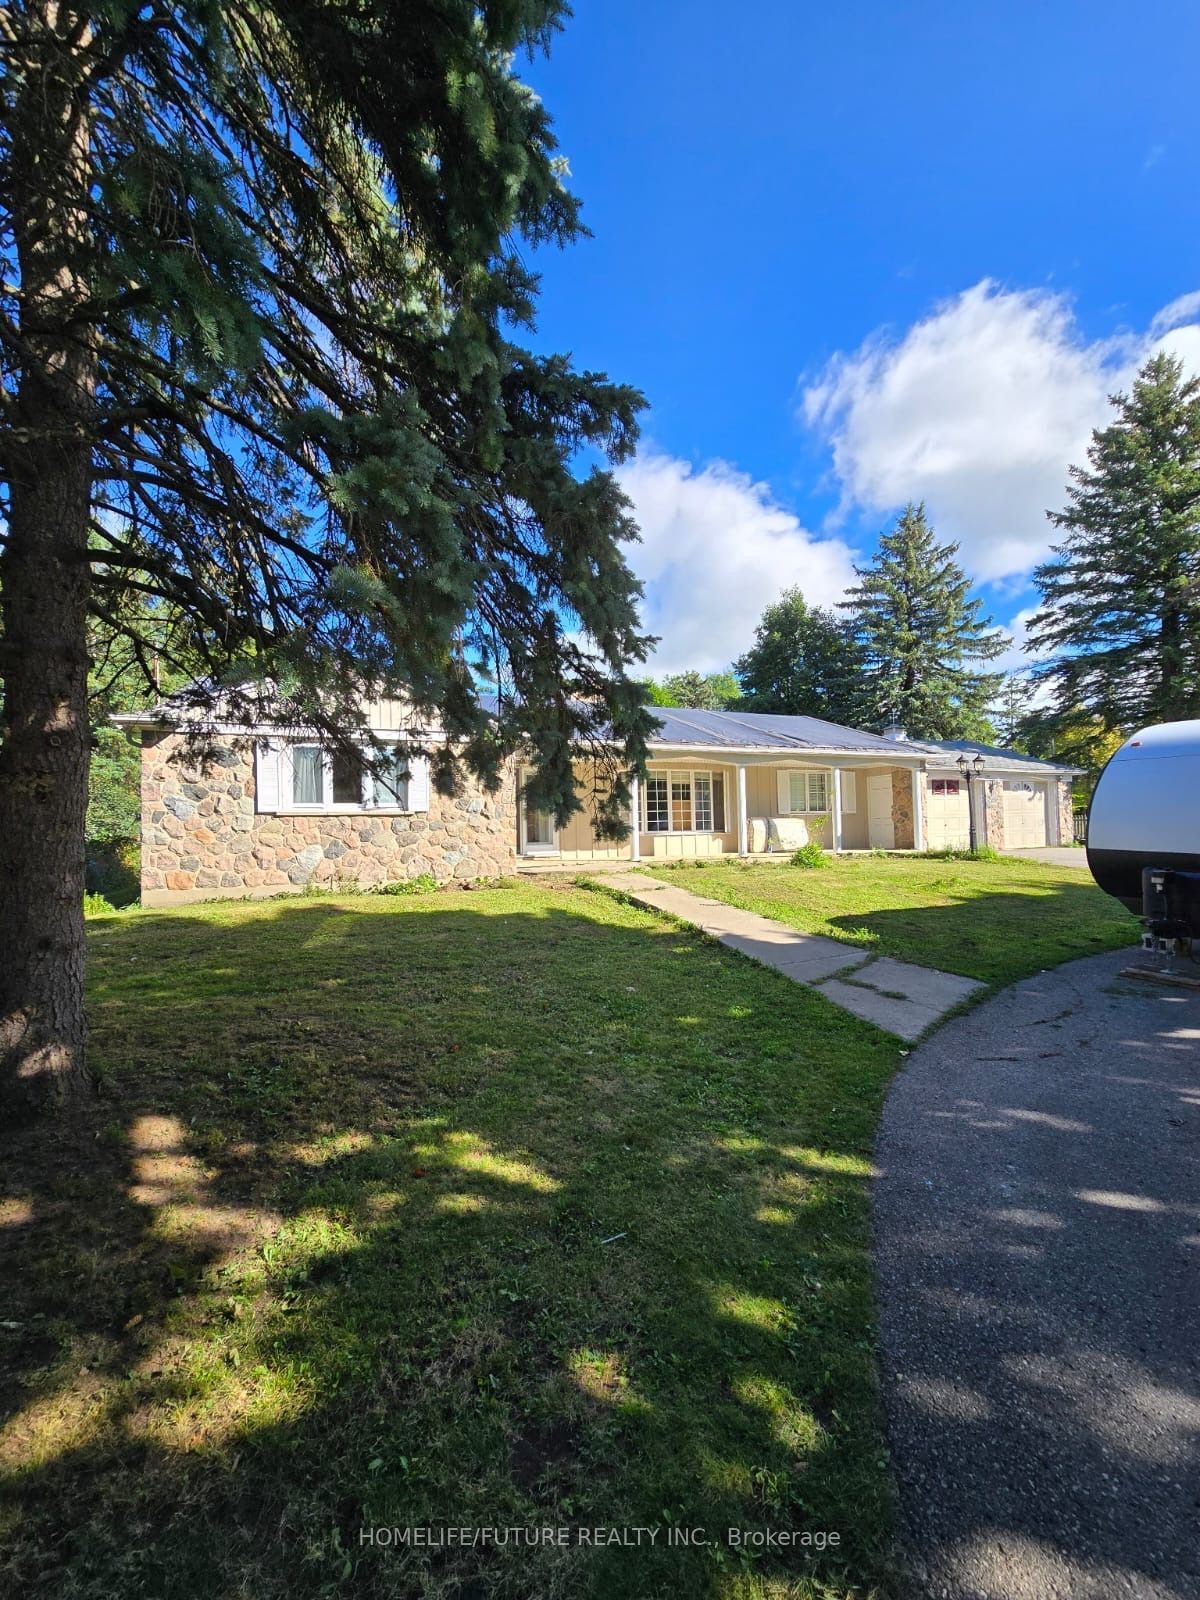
998 937
444 1216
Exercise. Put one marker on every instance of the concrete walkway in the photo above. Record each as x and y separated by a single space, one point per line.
1037 1233
893 994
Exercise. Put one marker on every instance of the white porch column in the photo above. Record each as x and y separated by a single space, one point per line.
743 829
918 811
635 808
837 809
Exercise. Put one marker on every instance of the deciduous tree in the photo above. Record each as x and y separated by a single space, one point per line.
706 691
804 661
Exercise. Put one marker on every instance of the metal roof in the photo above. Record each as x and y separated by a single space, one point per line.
1013 758
755 730
678 727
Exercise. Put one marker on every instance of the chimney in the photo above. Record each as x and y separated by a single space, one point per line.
895 733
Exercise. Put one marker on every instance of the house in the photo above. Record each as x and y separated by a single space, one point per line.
262 811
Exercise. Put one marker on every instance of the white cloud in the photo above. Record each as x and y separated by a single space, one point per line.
1015 658
716 549
979 409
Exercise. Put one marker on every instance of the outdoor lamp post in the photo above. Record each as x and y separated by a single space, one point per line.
968 770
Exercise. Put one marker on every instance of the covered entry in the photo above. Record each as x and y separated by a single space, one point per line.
1024 814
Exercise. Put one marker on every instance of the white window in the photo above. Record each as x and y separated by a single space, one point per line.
658 816
685 802
702 812
391 781
308 781
312 778
803 790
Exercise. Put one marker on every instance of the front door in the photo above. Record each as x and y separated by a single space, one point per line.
540 834
881 830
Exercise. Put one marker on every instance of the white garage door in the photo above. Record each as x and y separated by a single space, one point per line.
1024 815
948 822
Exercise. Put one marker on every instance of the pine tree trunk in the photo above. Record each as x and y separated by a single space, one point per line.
1168 665
44 589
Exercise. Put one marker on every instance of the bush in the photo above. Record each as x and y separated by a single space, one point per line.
113 870
95 905
983 852
810 855
114 796
423 883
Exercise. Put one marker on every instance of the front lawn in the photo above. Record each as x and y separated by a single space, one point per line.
517 1208
993 920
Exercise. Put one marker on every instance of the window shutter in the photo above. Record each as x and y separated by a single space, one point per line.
849 793
785 793
267 754
418 783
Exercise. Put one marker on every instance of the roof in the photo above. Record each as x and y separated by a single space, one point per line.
679 727
997 754
755 730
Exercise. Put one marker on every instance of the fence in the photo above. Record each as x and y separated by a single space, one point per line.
1080 821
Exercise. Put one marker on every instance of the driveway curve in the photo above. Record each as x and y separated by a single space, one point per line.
1037 1232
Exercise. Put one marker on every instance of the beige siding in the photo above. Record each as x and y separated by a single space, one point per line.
578 844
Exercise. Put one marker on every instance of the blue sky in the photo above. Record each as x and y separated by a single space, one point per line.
856 255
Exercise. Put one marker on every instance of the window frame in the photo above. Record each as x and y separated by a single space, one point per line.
808 774
663 806
327 806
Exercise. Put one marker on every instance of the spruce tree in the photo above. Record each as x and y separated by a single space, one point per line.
1120 600
925 642
804 661
260 364
1012 709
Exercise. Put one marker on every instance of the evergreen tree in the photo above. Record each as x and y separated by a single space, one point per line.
262 295
1120 600
925 644
804 661
1012 709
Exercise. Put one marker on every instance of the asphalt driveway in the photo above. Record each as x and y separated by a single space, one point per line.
1054 855
1038 1242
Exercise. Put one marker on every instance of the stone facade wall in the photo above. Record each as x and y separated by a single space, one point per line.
902 807
202 837
993 813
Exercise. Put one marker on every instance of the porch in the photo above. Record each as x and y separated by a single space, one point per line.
695 806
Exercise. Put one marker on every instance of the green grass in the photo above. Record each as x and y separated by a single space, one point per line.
511 1208
995 920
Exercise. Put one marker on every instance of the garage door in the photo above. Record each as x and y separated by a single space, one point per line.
1024 815
948 822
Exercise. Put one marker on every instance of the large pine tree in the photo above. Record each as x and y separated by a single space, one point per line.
263 286
1120 600
804 661
925 642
